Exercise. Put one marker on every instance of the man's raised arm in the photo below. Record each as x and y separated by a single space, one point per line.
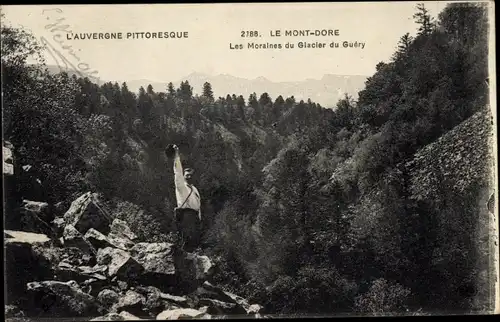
180 182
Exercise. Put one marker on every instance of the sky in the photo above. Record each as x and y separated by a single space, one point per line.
213 29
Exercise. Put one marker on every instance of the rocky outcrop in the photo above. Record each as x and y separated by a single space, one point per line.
457 170
460 158
95 267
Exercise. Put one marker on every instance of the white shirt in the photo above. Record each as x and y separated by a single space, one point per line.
187 195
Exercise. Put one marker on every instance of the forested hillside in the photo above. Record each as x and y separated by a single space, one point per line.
307 209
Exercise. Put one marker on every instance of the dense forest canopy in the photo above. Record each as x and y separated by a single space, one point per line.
306 208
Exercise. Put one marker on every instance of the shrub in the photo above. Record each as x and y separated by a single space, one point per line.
382 298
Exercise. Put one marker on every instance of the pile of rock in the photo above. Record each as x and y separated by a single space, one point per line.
89 265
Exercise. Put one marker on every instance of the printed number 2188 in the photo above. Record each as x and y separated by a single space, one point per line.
252 33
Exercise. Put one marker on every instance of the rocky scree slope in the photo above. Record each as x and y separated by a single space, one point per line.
85 265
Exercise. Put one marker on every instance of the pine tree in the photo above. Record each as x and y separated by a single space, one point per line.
424 19
265 100
150 89
240 106
207 91
278 107
144 105
170 91
185 91
403 46
129 103
257 110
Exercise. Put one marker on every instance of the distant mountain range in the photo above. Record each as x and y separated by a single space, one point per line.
325 91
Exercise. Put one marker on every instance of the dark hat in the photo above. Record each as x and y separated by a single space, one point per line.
170 151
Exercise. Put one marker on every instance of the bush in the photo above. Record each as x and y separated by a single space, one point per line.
150 225
318 290
384 297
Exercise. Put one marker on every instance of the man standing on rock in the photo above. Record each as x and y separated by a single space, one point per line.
188 210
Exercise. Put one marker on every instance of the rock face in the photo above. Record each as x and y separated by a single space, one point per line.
95 268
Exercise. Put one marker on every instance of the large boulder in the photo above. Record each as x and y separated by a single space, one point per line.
132 302
243 303
94 286
178 300
88 212
153 303
25 261
13 237
40 209
99 240
192 270
158 262
73 238
208 292
123 316
67 272
120 263
108 298
216 307
157 301
202 266
36 217
185 313
56 299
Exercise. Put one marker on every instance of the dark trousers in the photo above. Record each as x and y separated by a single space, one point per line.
188 228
